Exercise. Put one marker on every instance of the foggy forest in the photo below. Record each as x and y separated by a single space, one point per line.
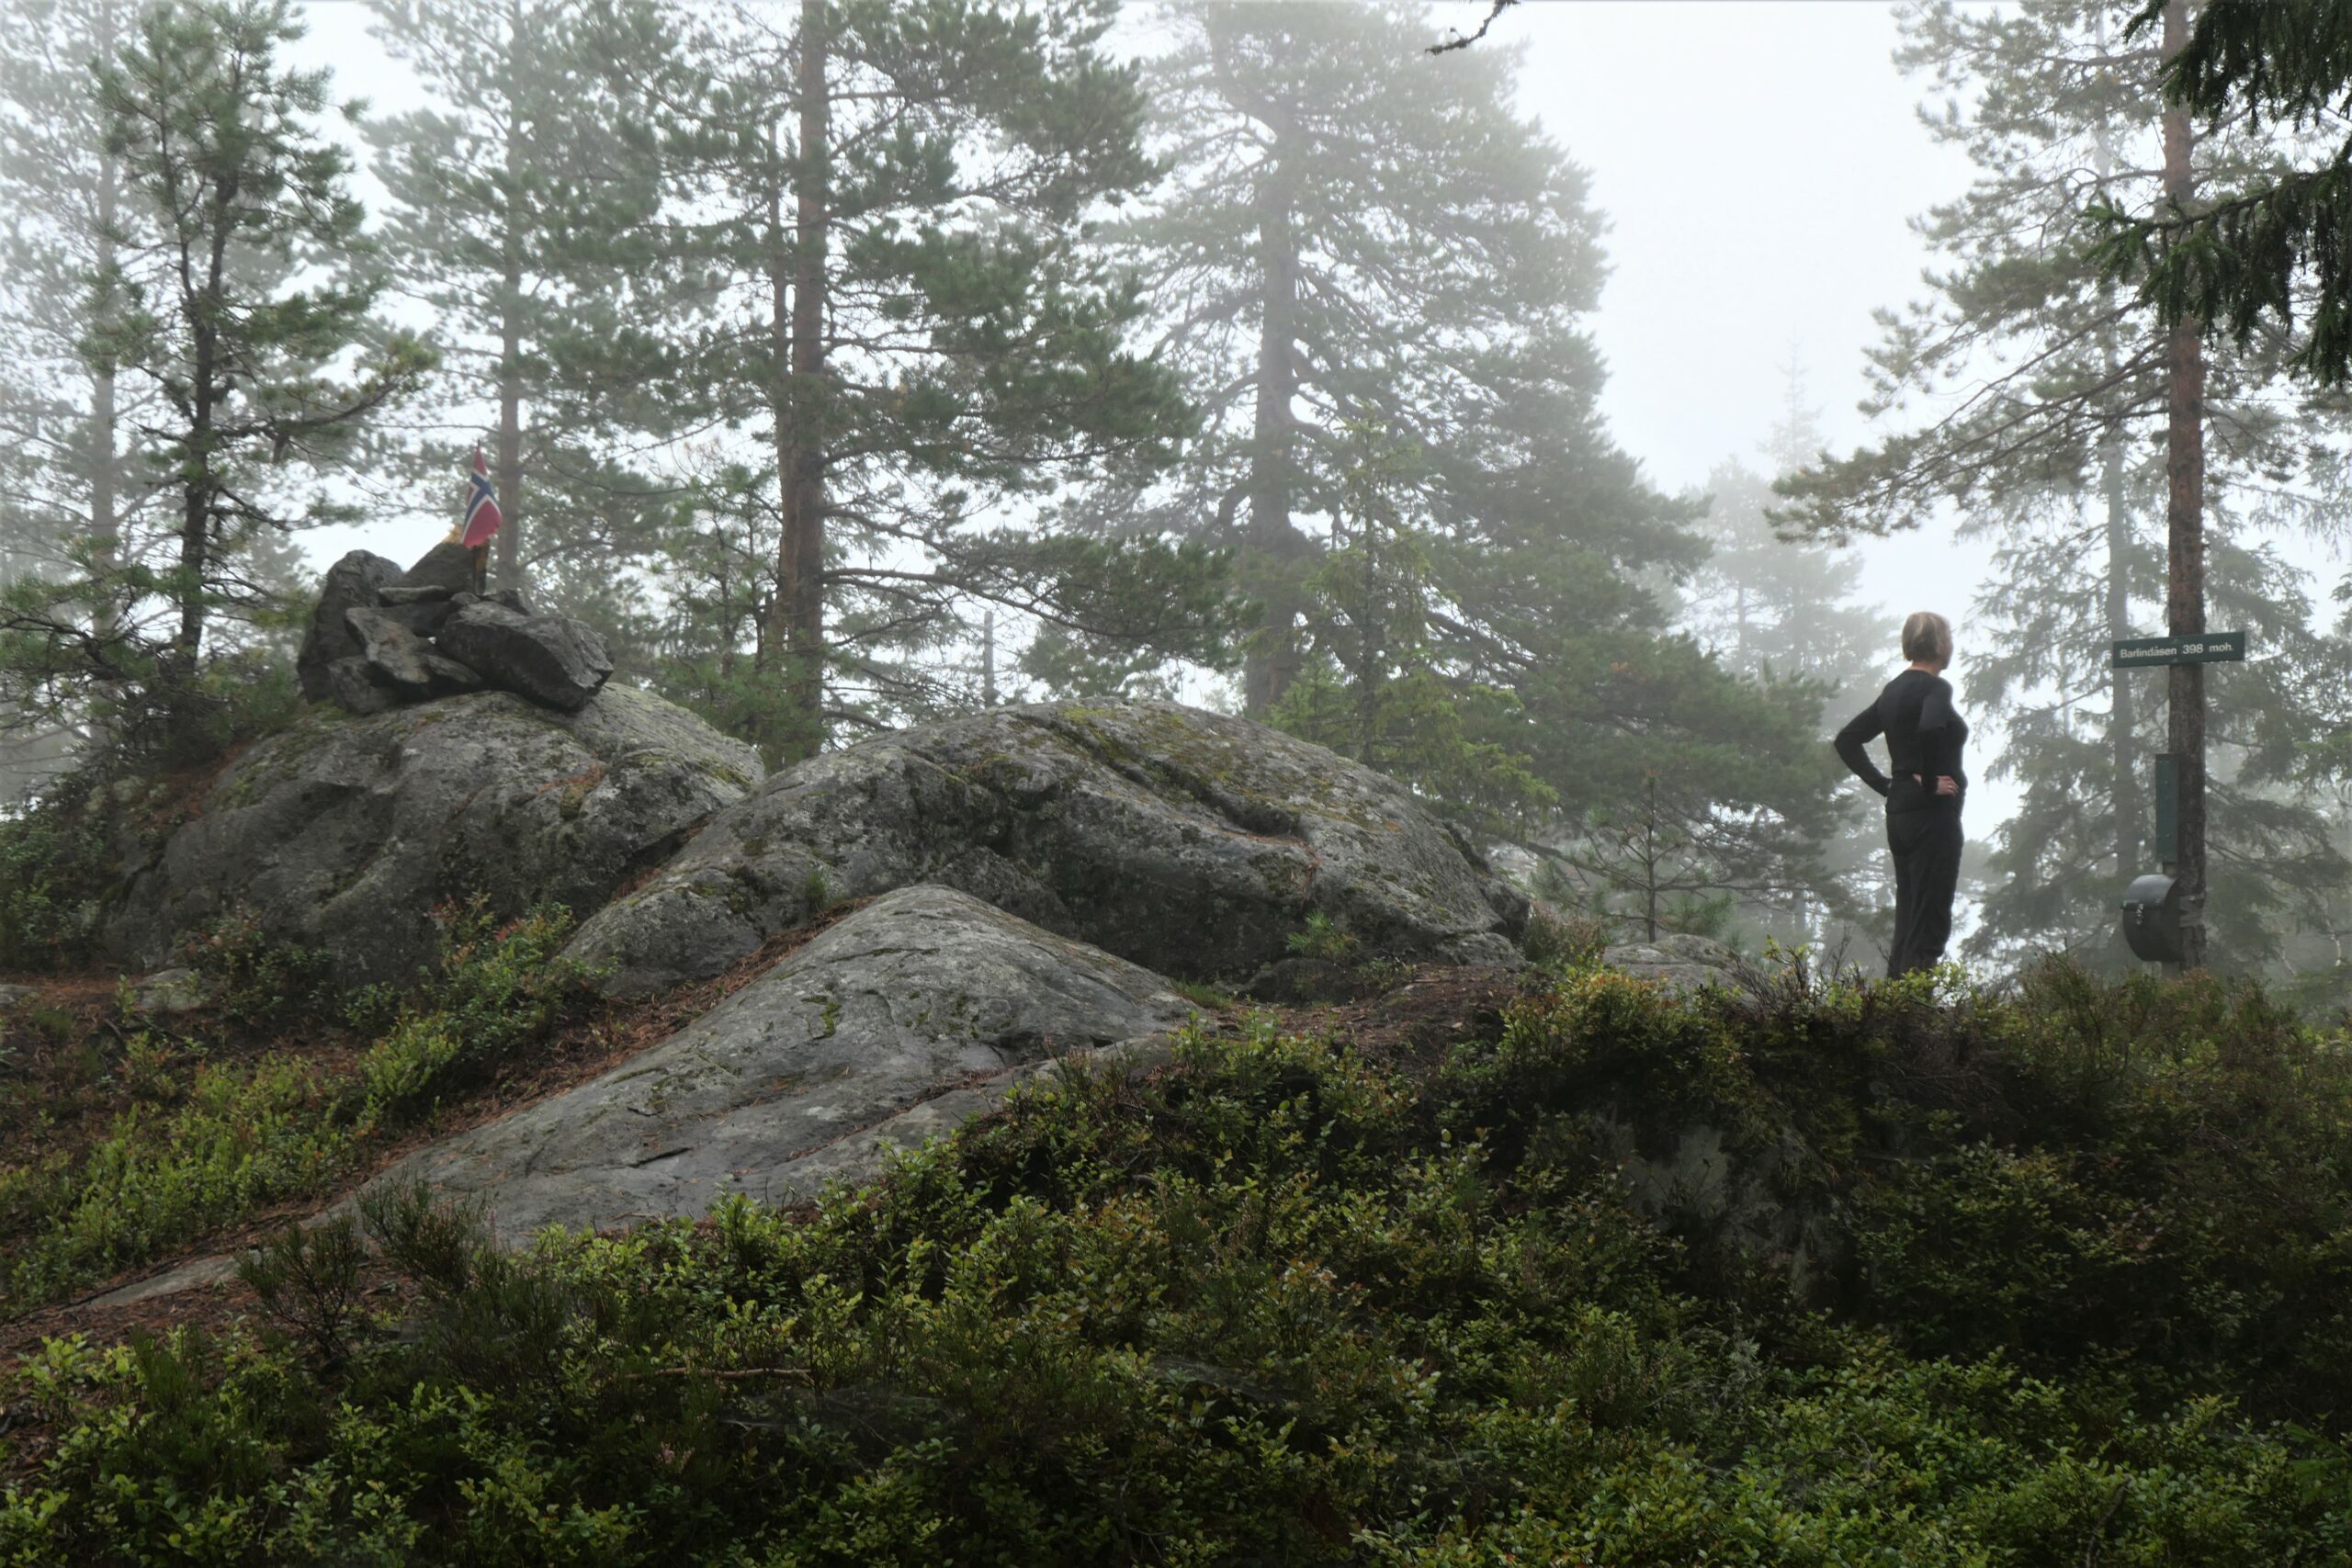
1087 780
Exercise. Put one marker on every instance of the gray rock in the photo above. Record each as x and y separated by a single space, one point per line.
1684 965
351 582
395 655
14 996
416 594
424 618
511 599
449 677
447 565
169 991
549 659
886 1010
1190 842
857 1158
342 834
353 687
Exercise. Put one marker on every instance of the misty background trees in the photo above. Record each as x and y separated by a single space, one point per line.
852 364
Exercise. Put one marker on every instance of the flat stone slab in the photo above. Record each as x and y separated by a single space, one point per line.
923 993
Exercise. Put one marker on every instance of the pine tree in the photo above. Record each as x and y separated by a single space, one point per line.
1356 238
232 291
522 208
68 503
891 196
2046 387
2272 248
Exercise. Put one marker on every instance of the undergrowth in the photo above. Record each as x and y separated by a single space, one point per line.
214 1145
2049 1279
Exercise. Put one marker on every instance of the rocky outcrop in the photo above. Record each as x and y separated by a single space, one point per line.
1193 842
350 583
549 659
380 636
893 1008
342 833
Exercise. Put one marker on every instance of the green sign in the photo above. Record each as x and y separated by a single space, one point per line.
2204 647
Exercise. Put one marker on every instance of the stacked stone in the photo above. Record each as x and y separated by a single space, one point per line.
381 636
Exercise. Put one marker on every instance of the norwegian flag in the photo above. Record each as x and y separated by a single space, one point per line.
483 516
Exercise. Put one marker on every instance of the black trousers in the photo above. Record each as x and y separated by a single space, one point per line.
1922 834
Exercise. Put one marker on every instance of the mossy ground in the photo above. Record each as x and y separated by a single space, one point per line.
1322 1293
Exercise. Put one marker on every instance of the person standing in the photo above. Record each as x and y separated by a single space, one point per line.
1924 736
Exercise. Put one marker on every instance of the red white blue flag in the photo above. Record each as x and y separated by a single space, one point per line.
483 516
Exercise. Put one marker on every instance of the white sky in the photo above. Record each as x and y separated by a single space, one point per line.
1758 161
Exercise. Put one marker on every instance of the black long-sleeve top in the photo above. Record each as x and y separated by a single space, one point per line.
1924 737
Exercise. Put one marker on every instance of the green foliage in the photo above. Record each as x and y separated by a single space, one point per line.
225 313
2031 393
308 1281
502 987
51 869
1281 1303
2276 243
250 978
1322 937
1563 941
236 1138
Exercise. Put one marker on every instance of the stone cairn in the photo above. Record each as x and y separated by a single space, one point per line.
381 636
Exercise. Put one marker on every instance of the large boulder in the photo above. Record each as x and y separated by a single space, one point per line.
550 659
342 833
1196 843
350 583
894 1007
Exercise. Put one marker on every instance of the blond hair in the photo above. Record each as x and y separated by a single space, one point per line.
1927 638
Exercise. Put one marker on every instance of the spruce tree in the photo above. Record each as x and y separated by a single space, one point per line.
889 197
232 293
2037 388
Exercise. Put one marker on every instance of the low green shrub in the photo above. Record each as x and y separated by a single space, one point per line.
1285 1304
1323 938
51 869
242 1136
253 978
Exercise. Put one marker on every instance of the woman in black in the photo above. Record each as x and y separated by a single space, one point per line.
1924 736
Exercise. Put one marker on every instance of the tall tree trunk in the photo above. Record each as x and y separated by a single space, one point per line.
105 524
1272 661
2184 525
2121 714
2121 719
510 326
798 613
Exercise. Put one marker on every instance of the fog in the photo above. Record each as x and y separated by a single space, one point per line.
1752 178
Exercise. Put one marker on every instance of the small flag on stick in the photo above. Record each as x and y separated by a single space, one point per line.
483 516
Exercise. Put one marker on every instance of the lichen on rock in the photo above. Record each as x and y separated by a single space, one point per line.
1191 842
345 832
